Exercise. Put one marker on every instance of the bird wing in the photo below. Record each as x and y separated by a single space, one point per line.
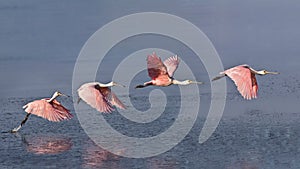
254 85
155 66
245 80
53 111
95 97
111 97
172 63
115 101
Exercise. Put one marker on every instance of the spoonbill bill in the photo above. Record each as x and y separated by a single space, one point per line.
161 73
100 96
244 78
49 109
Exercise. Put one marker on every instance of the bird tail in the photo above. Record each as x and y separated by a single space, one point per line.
218 77
79 99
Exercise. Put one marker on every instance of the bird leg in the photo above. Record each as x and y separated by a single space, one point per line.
22 123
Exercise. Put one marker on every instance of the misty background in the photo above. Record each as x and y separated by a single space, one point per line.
40 40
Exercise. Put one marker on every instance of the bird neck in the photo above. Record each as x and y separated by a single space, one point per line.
55 95
106 85
260 72
177 82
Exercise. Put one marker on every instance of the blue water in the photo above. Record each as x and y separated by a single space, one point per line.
39 45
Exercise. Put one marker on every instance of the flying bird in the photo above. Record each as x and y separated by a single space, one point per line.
244 78
48 108
100 96
161 73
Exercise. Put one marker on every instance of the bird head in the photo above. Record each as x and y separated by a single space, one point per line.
264 72
57 93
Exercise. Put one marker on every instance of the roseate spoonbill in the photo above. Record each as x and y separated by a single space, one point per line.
99 96
244 78
161 73
49 109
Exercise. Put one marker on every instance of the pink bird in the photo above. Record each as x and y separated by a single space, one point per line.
99 96
245 80
161 73
49 109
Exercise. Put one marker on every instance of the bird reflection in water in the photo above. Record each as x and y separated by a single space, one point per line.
47 144
162 162
95 157
246 160
243 165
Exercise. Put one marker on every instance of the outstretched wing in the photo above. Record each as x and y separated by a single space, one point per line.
155 66
53 111
115 101
111 97
95 97
245 80
172 63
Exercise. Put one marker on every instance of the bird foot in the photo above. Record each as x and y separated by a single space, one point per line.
15 129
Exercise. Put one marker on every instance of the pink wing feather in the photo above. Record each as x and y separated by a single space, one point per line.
158 71
171 63
111 97
155 66
244 79
254 86
115 101
94 98
53 111
100 98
